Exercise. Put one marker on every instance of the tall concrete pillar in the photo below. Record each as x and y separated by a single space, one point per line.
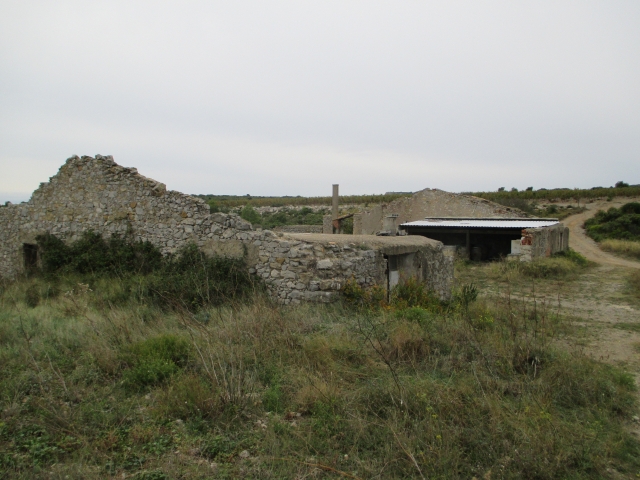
334 203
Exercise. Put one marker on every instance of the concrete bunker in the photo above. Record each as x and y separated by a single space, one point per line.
493 238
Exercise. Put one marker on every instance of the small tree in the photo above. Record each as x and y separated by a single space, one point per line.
621 184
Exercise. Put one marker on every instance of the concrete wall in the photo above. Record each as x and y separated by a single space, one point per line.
543 242
97 194
429 203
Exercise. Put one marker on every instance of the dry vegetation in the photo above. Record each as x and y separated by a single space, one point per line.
627 248
101 383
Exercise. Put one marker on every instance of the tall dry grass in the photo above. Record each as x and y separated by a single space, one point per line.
627 248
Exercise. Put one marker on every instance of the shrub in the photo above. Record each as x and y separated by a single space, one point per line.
154 360
616 223
357 296
250 215
187 280
191 280
413 293
93 254
573 256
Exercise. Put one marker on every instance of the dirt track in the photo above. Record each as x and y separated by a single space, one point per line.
587 247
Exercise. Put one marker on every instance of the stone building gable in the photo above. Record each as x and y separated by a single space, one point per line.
430 203
97 194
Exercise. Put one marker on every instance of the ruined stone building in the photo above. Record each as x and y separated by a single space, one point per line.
97 194
427 203
471 227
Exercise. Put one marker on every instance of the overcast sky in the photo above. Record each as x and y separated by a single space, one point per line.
286 98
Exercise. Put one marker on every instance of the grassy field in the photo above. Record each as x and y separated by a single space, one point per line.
103 381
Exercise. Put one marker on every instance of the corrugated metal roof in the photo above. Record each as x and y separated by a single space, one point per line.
482 223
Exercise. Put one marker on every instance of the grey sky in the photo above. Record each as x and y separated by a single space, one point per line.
286 98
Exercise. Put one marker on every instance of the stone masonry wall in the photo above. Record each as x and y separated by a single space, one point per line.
97 194
430 203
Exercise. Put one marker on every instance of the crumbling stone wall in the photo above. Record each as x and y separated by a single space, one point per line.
98 194
429 203
543 242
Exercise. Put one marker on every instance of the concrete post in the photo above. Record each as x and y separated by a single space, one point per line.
334 204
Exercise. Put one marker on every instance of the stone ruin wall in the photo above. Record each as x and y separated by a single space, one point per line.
97 194
543 242
430 203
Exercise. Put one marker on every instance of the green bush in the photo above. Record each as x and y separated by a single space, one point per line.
413 293
191 280
573 256
154 360
92 254
616 223
250 215
187 280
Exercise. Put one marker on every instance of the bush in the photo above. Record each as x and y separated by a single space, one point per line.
191 280
616 223
154 360
187 280
413 293
573 256
95 255
250 215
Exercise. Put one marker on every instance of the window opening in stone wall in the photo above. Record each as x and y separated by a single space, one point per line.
30 257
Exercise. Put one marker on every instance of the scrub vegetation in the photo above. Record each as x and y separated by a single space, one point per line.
284 216
621 189
617 229
225 203
616 223
104 379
